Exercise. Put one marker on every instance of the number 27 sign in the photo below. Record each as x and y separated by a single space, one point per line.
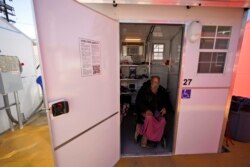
186 93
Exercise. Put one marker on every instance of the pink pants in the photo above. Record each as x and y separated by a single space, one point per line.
153 128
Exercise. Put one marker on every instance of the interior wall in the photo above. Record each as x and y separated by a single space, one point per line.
158 67
199 126
14 43
174 70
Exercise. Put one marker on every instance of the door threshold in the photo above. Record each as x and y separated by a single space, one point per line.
146 155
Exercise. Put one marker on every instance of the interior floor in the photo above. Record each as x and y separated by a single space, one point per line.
239 155
130 148
28 147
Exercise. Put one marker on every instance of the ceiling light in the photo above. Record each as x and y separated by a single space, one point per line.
133 39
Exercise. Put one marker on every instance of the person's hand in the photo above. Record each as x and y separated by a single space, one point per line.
163 111
148 113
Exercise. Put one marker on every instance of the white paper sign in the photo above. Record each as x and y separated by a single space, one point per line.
90 53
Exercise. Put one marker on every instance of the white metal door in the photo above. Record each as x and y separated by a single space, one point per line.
89 134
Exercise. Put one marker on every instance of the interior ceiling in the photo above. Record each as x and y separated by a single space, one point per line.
161 32
212 3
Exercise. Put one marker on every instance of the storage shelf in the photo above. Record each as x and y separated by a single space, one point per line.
128 93
133 65
131 79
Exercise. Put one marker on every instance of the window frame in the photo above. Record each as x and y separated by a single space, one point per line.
153 52
211 62
213 49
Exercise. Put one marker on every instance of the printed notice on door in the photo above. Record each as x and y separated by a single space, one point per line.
90 53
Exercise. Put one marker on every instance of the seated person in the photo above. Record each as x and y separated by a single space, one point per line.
151 105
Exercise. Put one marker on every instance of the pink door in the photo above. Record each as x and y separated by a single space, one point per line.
80 59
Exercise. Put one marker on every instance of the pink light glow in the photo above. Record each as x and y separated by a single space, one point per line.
242 82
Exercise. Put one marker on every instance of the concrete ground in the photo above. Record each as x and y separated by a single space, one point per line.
239 156
29 147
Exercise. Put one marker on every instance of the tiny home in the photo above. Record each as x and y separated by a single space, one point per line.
29 96
92 49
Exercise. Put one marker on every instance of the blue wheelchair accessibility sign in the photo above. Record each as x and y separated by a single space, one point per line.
186 94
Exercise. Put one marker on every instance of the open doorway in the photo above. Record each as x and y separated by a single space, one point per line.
148 50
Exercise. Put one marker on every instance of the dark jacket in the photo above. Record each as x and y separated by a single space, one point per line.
146 100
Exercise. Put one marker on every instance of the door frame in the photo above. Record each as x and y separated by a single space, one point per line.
184 25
